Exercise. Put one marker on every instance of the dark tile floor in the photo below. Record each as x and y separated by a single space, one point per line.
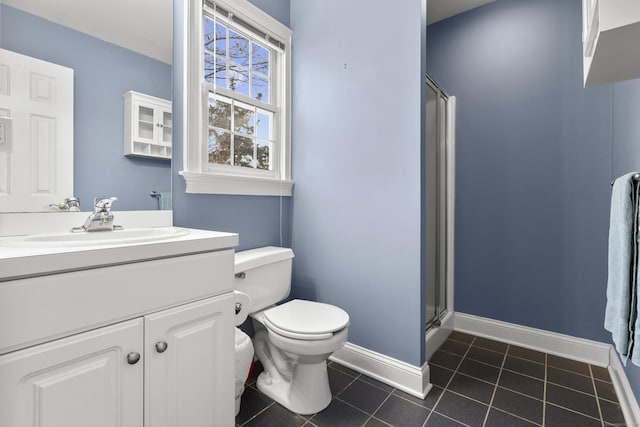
476 382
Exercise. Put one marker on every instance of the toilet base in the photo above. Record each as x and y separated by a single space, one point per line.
306 393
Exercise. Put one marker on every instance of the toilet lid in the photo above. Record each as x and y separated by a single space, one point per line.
302 319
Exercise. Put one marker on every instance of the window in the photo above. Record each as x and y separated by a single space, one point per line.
237 103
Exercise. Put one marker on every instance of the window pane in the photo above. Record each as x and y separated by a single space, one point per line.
243 152
238 79
263 155
238 48
264 125
209 68
219 147
259 59
221 73
221 39
219 113
259 88
243 120
209 34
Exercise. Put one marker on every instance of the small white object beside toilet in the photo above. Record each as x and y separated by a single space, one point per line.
243 359
292 340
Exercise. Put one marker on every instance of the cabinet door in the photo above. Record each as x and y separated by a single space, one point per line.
190 380
144 122
79 381
164 123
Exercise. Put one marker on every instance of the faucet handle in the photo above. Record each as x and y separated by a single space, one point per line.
72 204
103 204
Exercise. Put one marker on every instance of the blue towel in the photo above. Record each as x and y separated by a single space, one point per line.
164 201
620 315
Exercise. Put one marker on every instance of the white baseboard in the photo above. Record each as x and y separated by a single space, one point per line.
592 352
401 375
627 399
435 337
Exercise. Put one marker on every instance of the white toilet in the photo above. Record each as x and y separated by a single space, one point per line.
292 340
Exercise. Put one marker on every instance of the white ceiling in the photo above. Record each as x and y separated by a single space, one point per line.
146 26
437 10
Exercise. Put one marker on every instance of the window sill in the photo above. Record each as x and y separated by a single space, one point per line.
210 183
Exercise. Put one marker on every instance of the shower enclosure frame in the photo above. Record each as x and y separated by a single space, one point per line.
439 231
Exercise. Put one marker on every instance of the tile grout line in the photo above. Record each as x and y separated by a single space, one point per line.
260 412
495 388
574 411
544 391
506 369
333 397
595 391
544 380
572 389
309 422
447 417
376 410
354 407
409 401
527 359
379 406
515 416
444 389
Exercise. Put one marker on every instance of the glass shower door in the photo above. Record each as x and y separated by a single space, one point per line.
436 206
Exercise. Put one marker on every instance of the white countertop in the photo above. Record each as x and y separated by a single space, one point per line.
23 261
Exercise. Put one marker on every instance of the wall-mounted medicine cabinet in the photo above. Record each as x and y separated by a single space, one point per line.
610 40
147 126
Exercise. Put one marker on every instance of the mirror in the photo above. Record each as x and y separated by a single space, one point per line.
114 48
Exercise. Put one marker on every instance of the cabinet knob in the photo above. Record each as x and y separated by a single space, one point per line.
160 125
161 346
133 358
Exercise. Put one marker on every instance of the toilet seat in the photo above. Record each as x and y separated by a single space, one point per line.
306 320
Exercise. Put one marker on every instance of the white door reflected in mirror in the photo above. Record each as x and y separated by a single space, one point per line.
38 169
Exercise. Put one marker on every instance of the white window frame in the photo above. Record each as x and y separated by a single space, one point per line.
200 176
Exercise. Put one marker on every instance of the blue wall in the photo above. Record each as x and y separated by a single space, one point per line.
279 9
533 165
259 220
536 154
102 73
357 117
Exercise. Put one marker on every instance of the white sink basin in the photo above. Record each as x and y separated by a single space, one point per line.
95 238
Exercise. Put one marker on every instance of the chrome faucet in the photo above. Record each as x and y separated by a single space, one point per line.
70 204
102 218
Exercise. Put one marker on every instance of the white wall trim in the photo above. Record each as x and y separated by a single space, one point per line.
628 401
195 137
593 352
214 183
401 375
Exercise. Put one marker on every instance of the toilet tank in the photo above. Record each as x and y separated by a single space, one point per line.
264 274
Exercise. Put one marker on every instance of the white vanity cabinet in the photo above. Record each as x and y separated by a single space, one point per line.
114 339
147 126
180 357
82 380
188 365
611 40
